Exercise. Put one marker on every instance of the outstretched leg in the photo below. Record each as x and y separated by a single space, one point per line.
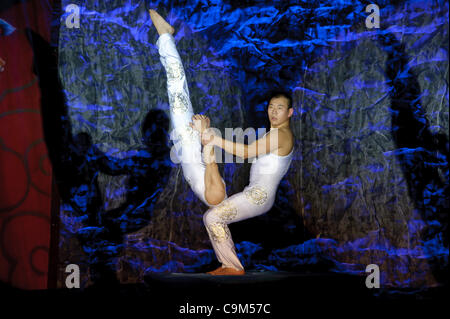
204 179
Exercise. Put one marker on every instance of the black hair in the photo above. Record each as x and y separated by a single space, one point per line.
275 94
280 93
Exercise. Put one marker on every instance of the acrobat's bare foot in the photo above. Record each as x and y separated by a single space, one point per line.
161 25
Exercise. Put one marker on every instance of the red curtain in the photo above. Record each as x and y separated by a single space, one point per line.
25 170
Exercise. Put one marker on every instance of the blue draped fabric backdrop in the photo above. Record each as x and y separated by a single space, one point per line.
369 177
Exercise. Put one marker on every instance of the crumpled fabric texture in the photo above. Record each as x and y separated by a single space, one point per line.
368 179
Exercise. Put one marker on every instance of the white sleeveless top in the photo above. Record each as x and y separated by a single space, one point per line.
267 170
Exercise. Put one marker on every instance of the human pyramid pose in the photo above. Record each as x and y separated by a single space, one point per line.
274 152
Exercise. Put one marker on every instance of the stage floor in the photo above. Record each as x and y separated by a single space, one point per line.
285 293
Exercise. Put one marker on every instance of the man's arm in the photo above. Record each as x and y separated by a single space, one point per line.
264 145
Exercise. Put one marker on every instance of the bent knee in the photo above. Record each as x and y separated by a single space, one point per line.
208 217
211 216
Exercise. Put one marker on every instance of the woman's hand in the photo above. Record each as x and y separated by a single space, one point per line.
208 136
200 122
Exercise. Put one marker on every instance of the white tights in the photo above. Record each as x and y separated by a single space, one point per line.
253 201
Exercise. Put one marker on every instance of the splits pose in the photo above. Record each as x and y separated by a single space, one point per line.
274 153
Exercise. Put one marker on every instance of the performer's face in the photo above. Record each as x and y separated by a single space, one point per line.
278 111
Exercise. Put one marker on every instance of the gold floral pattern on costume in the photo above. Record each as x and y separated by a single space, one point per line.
175 71
226 211
219 232
256 194
179 103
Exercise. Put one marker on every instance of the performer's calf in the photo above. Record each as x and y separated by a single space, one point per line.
214 187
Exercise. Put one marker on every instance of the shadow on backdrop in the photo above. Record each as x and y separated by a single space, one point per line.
76 163
422 154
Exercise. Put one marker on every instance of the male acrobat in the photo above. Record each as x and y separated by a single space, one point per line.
274 152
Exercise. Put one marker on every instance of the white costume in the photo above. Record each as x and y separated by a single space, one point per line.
186 140
266 171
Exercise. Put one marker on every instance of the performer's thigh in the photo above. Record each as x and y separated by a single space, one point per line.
194 173
238 207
